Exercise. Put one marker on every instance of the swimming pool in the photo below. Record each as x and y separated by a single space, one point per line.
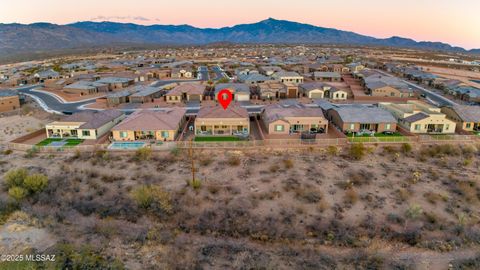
126 145
475 81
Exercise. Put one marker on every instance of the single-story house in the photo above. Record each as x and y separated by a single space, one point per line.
466 117
253 78
115 83
182 73
185 92
44 75
355 117
288 77
420 117
285 119
216 121
119 97
327 76
315 90
85 87
145 94
160 125
240 91
337 94
88 125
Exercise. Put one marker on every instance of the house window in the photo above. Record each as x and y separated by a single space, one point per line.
468 125
447 126
165 134
123 134
352 126
387 126
86 133
279 128
417 127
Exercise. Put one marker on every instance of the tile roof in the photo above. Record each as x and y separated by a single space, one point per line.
189 88
363 114
149 120
276 112
468 113
93 119
232 111
327 74
237 87
416 117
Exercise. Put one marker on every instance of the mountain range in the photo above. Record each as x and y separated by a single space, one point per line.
47 37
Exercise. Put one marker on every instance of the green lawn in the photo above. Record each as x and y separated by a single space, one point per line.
380 137
217 139
48 141
70 142
73 142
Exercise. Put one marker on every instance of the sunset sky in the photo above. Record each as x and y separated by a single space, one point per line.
456 22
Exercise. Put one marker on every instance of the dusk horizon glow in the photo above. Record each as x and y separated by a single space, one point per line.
445 21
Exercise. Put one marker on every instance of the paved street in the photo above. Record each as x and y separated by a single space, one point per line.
219 73
439 100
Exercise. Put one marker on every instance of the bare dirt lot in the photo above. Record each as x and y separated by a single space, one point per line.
387 208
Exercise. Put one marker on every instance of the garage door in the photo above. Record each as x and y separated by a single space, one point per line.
315 95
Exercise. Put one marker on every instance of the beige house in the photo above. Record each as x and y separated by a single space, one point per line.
288 77
419 117
357 117
280 119
87 125
337 94
150 125
466 117
240 91
215 121
185 92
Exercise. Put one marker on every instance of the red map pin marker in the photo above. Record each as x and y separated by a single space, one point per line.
224 97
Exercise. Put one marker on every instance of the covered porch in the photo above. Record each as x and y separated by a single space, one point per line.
217 130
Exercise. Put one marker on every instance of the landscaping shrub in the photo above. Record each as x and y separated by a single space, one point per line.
332 150
406 148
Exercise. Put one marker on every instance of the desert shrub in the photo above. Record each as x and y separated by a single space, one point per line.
394 218
288 163
274 168
357 151
433 197
467 189
151 196
205 161
35 183
31 152
195 183
7 152
20 184
213 189
413 211
360 177
6 208
390 149
18 193
332 150
406 148
85 257
143 154
233 160
308 195
351 196
440 150
15 177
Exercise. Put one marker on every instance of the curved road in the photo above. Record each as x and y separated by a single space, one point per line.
53 104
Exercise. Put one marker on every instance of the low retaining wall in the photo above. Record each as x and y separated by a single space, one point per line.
29 136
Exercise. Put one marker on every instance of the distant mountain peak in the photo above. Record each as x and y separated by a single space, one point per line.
21 38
